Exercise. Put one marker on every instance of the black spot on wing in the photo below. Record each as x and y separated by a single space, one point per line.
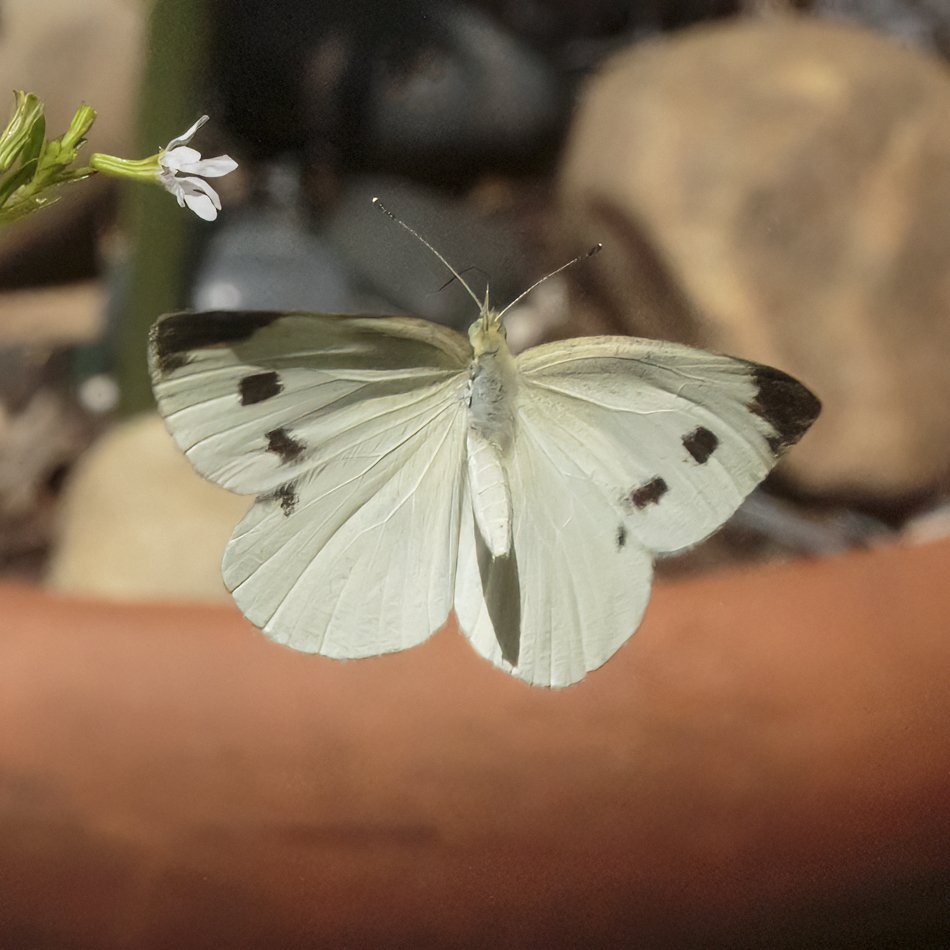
285 496
621 537
177 334
785 404
701 443
649 493
258 387
282 443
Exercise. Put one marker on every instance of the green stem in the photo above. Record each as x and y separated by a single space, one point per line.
141 169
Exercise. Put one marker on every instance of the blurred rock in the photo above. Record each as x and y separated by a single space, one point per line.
259 259
42 429
264 256
39 439
68 54
781 191
48 316
469 95
428 89
923 23
131 512
928 526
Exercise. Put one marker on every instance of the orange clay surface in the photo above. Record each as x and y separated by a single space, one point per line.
765 764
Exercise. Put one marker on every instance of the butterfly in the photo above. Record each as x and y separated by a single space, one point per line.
403 470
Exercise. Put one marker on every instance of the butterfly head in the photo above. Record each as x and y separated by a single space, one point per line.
487 334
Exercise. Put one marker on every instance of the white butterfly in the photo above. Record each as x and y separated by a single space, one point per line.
403 469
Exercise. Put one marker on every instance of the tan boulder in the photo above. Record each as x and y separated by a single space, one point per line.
139 522
781 191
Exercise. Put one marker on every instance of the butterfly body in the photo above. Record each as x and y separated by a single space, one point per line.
491 402
403 470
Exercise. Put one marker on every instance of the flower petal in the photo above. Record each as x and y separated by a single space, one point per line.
186 137
178 158
202 206
173 186
211 167
200 197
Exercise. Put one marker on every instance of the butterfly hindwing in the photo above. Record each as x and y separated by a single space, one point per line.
582 585
360 558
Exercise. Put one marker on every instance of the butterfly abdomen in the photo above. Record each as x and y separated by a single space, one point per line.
491 496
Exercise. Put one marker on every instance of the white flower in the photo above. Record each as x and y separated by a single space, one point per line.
180 167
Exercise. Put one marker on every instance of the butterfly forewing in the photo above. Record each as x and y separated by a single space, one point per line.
255 399
676 437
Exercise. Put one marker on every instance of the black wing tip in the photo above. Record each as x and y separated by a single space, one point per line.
785 404
174 335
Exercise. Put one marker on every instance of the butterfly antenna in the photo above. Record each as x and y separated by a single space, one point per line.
537 283
420 238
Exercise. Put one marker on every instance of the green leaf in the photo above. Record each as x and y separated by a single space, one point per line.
20 177
34 143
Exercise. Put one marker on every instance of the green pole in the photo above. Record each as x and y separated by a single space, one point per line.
162 235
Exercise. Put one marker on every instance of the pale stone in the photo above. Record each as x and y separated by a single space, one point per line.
66 314
138 522
781 191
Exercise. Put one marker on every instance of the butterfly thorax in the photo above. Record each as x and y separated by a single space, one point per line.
493 382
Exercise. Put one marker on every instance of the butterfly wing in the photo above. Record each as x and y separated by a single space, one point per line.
677 436
624 448
572 590
351 430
